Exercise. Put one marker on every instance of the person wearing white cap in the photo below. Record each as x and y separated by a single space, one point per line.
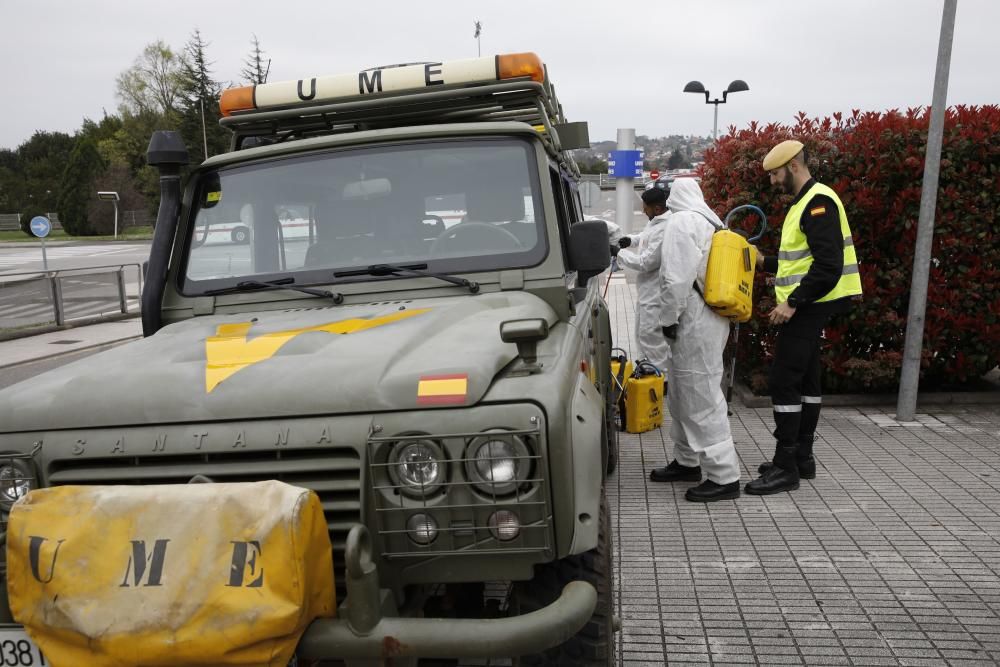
816 278
641 253
699 421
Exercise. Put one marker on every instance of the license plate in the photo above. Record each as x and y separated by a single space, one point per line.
17 650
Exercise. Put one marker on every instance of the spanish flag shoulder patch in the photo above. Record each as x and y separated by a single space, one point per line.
442 389
819 210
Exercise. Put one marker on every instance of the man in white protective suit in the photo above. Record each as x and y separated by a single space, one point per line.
641 253
697 336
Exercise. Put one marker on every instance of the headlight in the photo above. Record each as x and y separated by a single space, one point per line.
417 467
497 463
504 525
15 482
422 528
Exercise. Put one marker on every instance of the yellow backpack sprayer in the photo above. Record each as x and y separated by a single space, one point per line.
732 263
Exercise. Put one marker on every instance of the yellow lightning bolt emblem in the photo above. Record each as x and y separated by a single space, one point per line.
229 351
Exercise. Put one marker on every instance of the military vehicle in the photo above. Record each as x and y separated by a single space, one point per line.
428 351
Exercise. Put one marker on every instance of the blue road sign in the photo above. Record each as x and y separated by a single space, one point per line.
40 226
625 164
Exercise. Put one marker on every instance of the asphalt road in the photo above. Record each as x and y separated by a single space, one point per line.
27 257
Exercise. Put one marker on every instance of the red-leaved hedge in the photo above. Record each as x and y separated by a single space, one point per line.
874 161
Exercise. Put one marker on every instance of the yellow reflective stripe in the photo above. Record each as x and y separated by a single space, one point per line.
785 281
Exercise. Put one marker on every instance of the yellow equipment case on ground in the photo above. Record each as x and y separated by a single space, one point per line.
640 403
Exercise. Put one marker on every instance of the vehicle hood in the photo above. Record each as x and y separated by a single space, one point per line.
374 357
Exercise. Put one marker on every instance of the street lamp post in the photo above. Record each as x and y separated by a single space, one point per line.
113 197
737 86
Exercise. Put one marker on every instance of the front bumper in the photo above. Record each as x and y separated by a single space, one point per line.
363 632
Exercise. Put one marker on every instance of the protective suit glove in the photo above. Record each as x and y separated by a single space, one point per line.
614 250
624 242
670 333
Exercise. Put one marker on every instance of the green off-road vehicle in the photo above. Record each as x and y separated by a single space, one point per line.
385 292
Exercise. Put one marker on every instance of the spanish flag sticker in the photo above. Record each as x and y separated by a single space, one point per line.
819 210
442 389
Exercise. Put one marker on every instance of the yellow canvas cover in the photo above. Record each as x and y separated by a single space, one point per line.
729 277
182 574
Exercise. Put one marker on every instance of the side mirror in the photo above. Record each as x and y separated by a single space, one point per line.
589 251
525 334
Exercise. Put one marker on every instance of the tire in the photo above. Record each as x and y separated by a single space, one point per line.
594 644
241 235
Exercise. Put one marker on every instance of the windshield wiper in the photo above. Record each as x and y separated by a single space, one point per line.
280 283
402 270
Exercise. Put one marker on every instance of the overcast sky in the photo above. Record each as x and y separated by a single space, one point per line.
615 63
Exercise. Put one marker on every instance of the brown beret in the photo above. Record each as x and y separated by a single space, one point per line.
781 154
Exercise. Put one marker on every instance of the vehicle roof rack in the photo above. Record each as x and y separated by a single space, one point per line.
512 87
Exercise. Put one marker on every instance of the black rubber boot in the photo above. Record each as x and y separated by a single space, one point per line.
709 491
782 475
675 472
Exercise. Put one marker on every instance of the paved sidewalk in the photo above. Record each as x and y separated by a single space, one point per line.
65 341
891 556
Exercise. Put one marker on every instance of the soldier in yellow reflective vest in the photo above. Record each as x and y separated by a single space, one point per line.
816 278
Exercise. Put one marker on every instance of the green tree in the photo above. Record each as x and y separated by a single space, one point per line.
151 83
198 98
102 131
115 177
129 147
592 165
255 70
676 160
10 179
38 170
77 187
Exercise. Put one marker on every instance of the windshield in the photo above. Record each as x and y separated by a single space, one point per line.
457 206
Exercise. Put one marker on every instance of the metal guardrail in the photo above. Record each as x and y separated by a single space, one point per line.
39 298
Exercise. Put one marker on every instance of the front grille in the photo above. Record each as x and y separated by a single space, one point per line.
334 474
459 505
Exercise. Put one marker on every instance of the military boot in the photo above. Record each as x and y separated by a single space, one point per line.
782 475
807 468
803 458
675 472
709 492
